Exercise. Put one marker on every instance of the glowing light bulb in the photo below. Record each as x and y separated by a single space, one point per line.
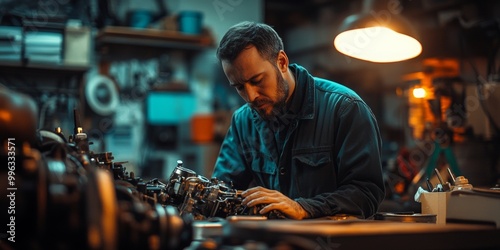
419 92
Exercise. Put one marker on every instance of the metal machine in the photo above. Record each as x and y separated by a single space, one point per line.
62 195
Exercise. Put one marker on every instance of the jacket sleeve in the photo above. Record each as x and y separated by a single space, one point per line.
357 152
230 166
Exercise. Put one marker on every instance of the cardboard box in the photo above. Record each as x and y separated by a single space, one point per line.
435 203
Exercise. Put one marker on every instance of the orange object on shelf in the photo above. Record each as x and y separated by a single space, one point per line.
202 128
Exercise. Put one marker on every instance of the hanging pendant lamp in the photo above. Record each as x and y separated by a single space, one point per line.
377 35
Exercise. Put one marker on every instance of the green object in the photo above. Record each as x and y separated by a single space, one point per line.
449 156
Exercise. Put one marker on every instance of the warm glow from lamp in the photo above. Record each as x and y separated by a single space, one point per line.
419 93
377 44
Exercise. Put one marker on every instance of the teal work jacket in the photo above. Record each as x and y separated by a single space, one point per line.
329 160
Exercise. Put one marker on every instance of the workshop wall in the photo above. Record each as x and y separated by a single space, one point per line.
155 150
121 73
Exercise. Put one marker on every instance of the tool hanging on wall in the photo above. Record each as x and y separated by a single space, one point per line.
101 95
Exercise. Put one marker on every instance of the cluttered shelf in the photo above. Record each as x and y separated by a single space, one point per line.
22 67
41 50
167 39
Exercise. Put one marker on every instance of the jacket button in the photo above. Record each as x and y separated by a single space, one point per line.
282 171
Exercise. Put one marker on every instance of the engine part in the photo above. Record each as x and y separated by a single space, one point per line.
66 197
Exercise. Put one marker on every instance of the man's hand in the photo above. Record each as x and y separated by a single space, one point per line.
275 201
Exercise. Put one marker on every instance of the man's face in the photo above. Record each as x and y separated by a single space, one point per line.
258 82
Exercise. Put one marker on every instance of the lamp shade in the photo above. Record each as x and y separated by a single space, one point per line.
377 38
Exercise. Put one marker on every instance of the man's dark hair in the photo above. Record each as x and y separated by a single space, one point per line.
265 39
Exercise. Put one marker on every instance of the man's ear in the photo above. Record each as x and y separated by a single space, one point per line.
282 61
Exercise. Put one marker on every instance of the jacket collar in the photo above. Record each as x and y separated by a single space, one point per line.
303 100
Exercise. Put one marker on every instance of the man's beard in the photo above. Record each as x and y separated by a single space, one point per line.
278 107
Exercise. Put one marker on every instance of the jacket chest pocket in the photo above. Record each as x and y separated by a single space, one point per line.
314 170
264 171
